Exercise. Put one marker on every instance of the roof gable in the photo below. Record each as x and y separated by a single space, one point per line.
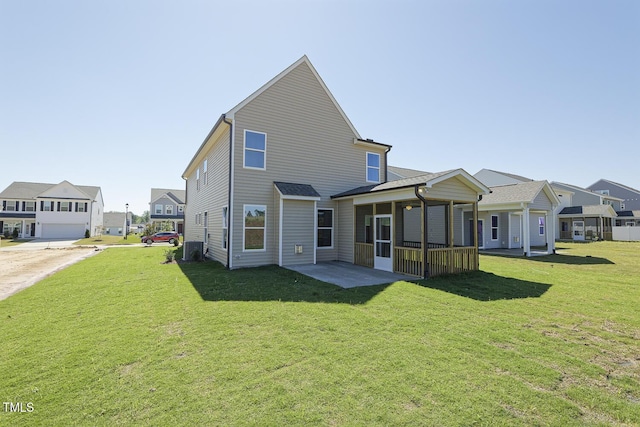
524 192
617 184
63 190
178 196
302 61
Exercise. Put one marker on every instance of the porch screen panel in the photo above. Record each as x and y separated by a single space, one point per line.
364 224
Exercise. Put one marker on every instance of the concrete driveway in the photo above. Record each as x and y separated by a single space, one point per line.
26 264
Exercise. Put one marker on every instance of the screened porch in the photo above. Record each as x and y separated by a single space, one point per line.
391 236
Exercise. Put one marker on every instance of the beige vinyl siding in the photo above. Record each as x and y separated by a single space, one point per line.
298 229
211 197
452 189
344 230
308 142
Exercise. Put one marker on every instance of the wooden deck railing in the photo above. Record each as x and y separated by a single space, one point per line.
363 254
451 260
408 261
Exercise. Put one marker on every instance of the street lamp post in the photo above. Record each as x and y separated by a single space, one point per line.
126 220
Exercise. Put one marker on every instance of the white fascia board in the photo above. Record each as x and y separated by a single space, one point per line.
471 181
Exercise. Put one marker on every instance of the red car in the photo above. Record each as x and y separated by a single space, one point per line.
164 236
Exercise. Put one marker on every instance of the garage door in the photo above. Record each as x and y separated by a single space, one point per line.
63 231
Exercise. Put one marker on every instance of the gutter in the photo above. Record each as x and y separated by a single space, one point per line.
425 232
223 118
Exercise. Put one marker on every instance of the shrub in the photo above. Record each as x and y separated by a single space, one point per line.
87 234
195 255
15 233
169 256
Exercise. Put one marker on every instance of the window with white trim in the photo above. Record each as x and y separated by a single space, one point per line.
255 225
168 209
158 209
541 225
30 206
10 206
65 207
325 228
180 208
373 167
47 206
255 150
198 179
225 227
204 172
494 227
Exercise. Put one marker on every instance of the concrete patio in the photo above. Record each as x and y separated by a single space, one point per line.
348 275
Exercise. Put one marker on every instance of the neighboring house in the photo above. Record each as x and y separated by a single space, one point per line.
630 196
54 211
395 172
114 224
167 206
493 178
284 178
584 214
516 216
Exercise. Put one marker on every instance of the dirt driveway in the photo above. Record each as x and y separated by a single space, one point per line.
20 269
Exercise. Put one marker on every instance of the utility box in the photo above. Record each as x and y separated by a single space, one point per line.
298 249
192 251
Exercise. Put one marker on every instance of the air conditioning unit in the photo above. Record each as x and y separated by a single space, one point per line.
192 251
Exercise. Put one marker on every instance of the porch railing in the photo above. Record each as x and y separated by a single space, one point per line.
408 261
451 260
363 254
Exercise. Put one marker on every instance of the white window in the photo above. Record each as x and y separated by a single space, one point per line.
10 206
325 228
541 225
180 208
158 210
81 207
255 150
204 172
198 179
622 206
373 167
494 227
255 222
225 227
47 206
30 207
65 207
169 209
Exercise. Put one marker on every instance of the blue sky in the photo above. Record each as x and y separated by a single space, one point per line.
120 94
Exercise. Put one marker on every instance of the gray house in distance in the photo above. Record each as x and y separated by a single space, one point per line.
167 206
630 196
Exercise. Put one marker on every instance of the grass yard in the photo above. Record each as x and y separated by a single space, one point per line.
121 338
107 239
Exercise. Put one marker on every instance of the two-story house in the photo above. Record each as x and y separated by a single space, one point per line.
53 211
629 212
167 206
585 214
285 178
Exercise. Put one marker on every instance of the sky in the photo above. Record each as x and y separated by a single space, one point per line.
120 94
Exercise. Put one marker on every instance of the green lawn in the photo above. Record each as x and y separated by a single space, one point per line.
109 240
121 338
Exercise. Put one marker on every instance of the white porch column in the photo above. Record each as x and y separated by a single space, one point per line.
24 228
550 229
526 232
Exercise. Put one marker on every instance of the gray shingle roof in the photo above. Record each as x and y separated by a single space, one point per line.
113 219
391 185
179 196
405 172
291 189
30 190
513 193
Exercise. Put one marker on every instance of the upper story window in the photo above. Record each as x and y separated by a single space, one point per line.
30 206
169 209
255 150
180 208
81 207
373 167
46 206
64 206
10 205
158 210
204 172
198 179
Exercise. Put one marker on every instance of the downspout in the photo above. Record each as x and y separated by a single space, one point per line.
425 233
386 163
229 201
